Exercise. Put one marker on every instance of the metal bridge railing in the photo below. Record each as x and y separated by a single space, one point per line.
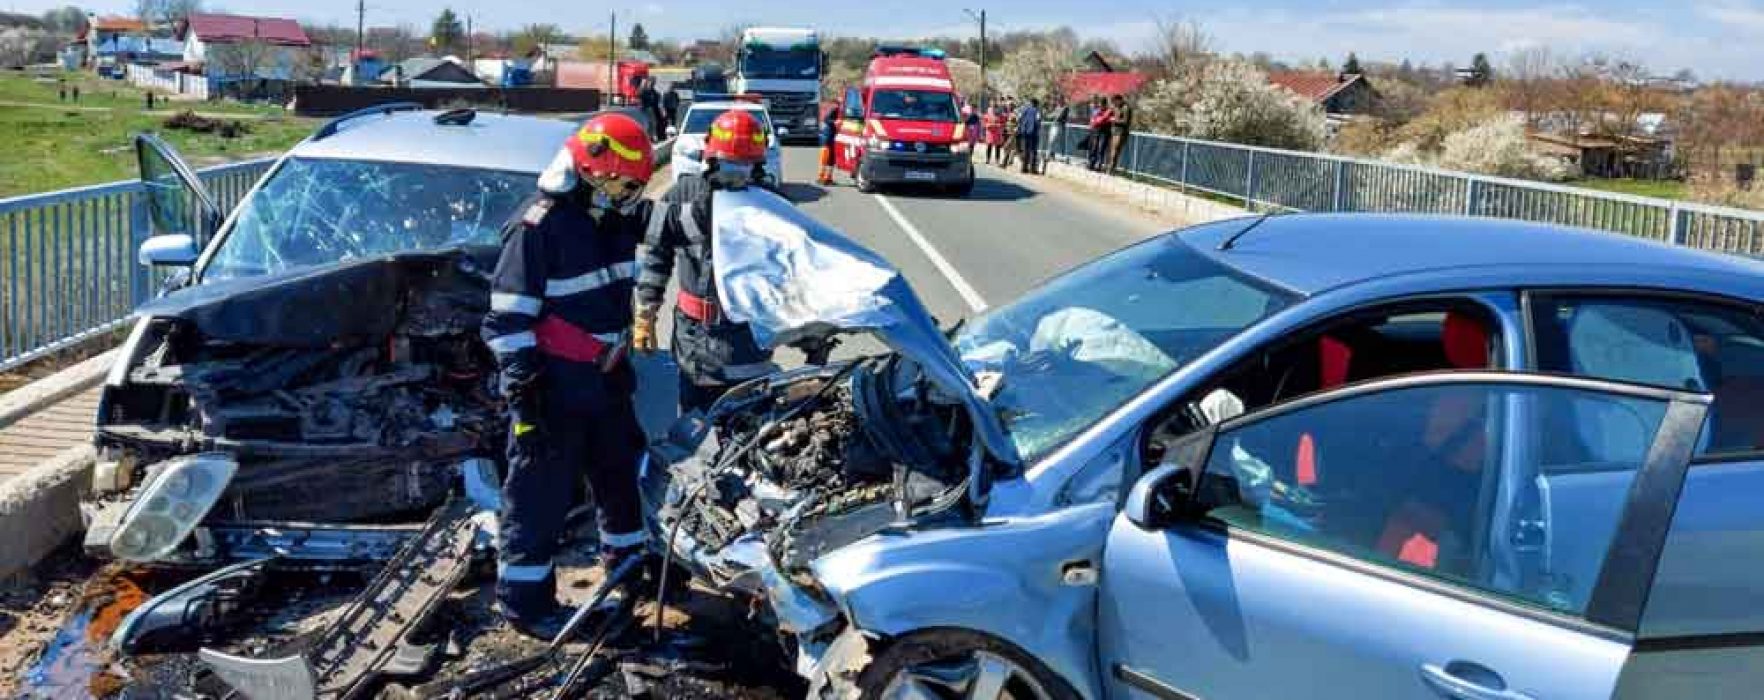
1266 179
67 260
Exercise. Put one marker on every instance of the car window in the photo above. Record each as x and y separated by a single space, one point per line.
1711 575
1677 344
854 104
319 210
698 121
1428 480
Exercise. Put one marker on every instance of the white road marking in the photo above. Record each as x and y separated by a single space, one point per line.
975 301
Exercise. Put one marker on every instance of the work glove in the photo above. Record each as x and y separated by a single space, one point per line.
643 331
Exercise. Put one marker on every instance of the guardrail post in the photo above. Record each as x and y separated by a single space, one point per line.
1182 179
1338 201
1675 225
1472 196
1249 185
140 226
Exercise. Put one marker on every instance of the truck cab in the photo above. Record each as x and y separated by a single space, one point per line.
903 125
785 65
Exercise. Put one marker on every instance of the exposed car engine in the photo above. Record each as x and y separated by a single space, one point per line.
345 395
788 468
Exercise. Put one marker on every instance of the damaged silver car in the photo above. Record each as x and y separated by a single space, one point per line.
1253 446
314 387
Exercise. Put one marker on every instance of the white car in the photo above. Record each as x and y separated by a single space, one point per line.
689 136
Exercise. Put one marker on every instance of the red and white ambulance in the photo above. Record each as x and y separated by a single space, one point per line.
903 125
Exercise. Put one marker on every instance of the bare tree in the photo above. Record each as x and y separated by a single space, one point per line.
535 36
165 11
243 58
1529 79
1182 46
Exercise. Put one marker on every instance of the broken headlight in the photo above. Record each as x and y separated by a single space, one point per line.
171 505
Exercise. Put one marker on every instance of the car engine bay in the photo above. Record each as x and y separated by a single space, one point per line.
361 418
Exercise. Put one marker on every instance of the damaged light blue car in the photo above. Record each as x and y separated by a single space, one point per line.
1292 457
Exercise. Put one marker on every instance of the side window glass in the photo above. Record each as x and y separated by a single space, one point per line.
1436 480
854 104
1710 580
1675 344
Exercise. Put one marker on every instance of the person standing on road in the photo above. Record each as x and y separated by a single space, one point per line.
993 122
829 142
1010 132
1101 117
650 102
560 306
1029 135
713 352
1119 127
670 109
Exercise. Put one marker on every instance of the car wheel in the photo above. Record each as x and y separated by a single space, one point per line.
964 189
948 664
864 184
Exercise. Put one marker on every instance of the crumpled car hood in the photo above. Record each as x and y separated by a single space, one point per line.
791 277
345 303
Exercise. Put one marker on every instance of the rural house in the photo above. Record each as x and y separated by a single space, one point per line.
431 73
1337 94
231 48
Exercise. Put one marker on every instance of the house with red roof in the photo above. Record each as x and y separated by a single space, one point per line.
223 45
1343 93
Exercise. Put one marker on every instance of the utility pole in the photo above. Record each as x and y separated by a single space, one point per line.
981 16
469 44
360 39
612 59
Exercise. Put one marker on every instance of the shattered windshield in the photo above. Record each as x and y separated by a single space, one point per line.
320 210
1078 347
917 105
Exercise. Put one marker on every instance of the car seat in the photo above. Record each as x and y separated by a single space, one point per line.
1629 343
1454 432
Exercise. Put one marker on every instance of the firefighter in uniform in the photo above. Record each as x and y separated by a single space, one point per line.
559 309
713 352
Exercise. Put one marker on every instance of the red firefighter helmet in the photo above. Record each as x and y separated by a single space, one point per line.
609 147
736 136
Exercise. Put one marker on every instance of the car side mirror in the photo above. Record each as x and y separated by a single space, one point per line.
782 132
673 131
171 250
1165 494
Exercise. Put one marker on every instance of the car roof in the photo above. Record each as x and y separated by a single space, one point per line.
1315 253
491 141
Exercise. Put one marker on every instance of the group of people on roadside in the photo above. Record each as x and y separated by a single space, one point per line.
1111 121
1010 130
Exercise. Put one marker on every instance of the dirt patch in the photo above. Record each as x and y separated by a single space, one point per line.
193 122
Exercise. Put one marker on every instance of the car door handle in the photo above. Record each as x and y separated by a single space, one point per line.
1463 680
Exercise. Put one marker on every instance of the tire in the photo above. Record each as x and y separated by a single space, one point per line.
945 649
864 184
964 189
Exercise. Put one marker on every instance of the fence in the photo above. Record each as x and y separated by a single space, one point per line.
67 260
1266 179
170 81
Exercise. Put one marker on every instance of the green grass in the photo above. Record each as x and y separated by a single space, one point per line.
51 148
1662 189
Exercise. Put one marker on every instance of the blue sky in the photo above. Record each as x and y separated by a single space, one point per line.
1715 38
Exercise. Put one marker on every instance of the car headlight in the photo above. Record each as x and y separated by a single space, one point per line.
876 143
959 147
171 505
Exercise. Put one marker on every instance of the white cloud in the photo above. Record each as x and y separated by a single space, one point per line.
653 8
1734 15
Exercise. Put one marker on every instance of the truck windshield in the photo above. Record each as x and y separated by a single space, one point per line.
780 64
917 105
319 210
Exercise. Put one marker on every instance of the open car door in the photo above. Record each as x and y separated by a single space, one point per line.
1463 535
183 212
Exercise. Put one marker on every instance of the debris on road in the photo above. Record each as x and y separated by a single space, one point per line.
190 121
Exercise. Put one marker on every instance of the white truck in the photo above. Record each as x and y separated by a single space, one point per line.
784 65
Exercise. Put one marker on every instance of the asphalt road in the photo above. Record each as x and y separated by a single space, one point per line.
962 255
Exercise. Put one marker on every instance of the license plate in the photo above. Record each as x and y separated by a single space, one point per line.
920 175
